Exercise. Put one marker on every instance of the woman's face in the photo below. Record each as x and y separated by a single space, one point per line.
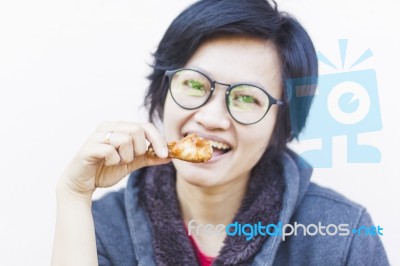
228 60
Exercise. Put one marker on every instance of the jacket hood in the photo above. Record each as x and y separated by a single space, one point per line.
297 174
297 168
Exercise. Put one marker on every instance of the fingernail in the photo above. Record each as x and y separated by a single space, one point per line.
164 152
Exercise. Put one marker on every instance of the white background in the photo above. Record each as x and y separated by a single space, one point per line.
65 66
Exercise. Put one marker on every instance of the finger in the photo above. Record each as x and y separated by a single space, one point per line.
96 152
135 130
139 142
146 160
125 149
158 142
122 143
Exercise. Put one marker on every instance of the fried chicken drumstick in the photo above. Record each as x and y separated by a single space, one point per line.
191 149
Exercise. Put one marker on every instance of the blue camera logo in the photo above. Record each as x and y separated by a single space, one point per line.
345 103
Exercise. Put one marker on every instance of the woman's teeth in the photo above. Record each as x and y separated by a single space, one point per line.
219 145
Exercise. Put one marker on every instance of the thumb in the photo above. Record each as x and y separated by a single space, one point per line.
146 160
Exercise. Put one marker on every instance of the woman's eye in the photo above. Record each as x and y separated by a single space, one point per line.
196 84
194 88
246 99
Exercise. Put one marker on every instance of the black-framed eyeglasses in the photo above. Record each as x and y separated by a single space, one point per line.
246 103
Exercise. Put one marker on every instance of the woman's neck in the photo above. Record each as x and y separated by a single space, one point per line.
215 205
205 209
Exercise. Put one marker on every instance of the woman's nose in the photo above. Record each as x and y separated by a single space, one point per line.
214 115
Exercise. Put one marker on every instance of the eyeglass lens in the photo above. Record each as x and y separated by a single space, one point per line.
246 103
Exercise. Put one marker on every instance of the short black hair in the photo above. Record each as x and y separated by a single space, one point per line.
254 18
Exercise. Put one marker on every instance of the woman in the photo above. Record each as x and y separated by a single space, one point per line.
222 71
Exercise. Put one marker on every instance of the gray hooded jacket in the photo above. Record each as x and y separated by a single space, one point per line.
124 236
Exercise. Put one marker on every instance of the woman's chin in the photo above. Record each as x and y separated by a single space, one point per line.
198 181
196 178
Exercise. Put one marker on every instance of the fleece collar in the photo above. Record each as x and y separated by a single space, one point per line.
262 203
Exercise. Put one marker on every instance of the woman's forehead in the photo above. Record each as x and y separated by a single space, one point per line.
238 59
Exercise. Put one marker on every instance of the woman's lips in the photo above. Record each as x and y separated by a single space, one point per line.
220 146
216 141
217 152
217 155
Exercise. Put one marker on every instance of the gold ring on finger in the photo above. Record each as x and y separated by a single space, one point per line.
107 137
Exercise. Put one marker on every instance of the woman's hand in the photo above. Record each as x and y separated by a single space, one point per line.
113 151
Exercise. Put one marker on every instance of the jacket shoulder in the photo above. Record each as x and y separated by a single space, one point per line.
325 206
317 194
328 236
